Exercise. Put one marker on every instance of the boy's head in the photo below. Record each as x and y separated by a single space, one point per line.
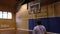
38 22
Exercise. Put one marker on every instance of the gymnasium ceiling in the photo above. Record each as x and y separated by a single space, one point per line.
13 3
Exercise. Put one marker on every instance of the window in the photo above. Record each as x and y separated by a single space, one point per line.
0 14
9 15
5 15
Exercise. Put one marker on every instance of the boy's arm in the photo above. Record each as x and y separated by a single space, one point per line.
45 30
34 31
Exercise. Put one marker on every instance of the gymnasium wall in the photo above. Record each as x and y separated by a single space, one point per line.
50 17
8 22
22 20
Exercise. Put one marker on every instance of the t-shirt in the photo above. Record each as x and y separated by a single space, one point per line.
40 29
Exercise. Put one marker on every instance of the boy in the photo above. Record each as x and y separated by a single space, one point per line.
39 29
